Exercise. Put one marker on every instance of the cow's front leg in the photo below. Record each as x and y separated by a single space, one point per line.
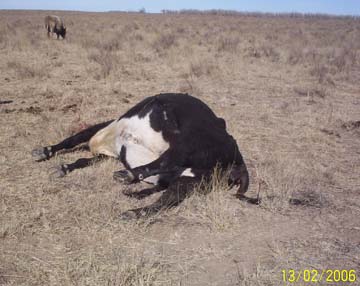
173 196
168 162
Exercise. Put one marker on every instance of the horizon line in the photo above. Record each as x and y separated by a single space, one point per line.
199 11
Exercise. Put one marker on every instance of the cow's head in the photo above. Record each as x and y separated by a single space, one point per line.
62 32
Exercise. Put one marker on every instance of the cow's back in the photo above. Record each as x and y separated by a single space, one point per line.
193 116
200 131
53 20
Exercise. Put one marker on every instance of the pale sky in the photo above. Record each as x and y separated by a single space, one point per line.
337 7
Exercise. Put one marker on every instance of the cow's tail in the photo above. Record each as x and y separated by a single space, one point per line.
239 176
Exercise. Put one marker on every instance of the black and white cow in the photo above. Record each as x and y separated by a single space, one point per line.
169 140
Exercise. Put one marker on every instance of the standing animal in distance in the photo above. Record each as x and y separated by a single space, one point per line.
54 24
170 140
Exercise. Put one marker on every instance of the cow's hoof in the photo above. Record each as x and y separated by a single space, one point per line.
58 172
129 215
40 154
124 176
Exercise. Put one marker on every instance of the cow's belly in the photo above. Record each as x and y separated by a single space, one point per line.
137 155
143 144
134 132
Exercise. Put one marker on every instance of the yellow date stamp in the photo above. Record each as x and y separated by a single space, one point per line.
325 276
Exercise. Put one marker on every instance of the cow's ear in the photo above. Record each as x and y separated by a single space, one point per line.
163 118
170 122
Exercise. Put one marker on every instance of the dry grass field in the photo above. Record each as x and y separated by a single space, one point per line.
289 90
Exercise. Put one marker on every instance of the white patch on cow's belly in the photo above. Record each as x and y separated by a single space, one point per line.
138 136
143 144
138 155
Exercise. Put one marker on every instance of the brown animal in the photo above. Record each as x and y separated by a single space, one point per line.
54 24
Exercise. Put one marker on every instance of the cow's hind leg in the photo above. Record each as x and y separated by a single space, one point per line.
45 153
64 169
173 196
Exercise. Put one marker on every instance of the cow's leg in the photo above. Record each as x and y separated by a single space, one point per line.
174 195
64 169
163 183
168 162
44 153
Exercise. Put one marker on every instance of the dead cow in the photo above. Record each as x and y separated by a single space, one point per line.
170 140
54 24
